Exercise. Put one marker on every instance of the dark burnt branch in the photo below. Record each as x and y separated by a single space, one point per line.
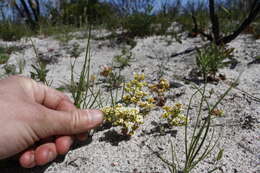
189 50
252 15
37 7
255 9
214 20
19 10
27 11
34 10
186 51
195 29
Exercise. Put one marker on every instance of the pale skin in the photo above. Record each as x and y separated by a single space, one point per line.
32 112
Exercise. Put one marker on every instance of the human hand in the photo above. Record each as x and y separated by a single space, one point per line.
31 112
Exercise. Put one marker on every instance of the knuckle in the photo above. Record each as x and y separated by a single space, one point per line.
24 82
40 115
77 121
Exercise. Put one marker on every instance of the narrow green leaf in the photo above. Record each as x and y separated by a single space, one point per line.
220 155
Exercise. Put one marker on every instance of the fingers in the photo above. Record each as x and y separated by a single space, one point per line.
63 144
48 152
49 97
27 159
67 123
60 117
37 91
41 93
74 122
43 154
78 121
67 106
38 156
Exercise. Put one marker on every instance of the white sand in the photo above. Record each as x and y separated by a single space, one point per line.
152 54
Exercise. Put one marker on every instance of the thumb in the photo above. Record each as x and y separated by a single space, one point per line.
69 122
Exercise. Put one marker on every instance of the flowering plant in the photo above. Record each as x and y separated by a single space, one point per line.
158 90
133 107
136 103
129 118
174 116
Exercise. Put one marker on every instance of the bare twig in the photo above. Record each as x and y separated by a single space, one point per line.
252 15
188 50
254 10
214 20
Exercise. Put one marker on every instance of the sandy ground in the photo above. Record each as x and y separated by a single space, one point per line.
107 151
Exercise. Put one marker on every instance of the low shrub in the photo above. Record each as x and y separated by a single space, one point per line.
123 60
138 24
3 57
13 32
162 23
256 29
211 58
10 69
111 75
5 53
40 72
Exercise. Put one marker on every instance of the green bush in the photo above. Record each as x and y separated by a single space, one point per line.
3 55
163 22
82 12
185 21
256 31
211 58
13 32
4 58
138 24
10 69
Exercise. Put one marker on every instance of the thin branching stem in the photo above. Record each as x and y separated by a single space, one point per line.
186 126
194 139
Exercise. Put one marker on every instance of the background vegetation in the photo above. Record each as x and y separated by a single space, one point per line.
135 18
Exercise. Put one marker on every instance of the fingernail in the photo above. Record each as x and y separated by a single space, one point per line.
51 156
31 157
70 142
96 116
